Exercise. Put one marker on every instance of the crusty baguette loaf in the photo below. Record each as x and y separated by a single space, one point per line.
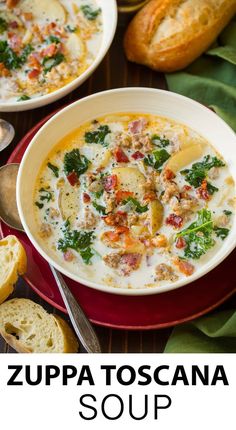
27 327
13 262
167 35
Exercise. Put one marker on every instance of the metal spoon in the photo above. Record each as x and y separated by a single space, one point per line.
9 215
7 134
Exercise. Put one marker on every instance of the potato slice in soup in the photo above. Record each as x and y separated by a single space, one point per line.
155 216
99 156
75 46
68 202
130 179
184 157
44 11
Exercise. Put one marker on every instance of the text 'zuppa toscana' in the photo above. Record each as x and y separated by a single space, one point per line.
133 201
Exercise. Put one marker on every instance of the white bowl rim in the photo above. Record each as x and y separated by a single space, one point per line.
113 290
47 99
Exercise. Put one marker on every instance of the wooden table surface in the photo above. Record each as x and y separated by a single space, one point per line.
114 72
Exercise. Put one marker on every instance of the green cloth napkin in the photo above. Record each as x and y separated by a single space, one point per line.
211 80
213 333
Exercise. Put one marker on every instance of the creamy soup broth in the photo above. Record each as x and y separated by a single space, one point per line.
134 201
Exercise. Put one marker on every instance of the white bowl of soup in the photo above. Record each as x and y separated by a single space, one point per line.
49 48
131 191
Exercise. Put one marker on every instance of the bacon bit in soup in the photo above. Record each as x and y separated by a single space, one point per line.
149 197
174 220
33 74
137 155
12 3
68 256
123 195
168 174
180 243
111 236
110 182
15 42
50 51
115 219
187 188
120 156
184 266
28 16
133 260
4 72
122 229
73 179
13 25
33 61
137 126
202 191
129 262
159 241
86 198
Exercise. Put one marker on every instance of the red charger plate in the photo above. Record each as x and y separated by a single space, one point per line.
127 312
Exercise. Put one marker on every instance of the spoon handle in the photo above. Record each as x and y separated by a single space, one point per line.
80 322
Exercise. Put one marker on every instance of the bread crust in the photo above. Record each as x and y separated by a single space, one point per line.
177 50
71 344
19 267
14 343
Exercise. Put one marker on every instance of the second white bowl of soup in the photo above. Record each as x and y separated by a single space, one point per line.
49 48
131 191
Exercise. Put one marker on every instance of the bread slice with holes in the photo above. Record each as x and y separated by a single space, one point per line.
27 327
13 262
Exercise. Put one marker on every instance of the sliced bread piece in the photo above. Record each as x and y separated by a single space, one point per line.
13 262
27 327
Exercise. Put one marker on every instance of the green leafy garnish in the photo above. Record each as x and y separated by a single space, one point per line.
198 172
87 254
211 188
10 59
40 205
75 162
76 240
70 29
23 98
160 141
25 53
3 25
228 213
157 158
198 235
46 196
90 13
50 62
101 209
54 169
98 194
137 206
80 241
221 232
52 39
98 136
